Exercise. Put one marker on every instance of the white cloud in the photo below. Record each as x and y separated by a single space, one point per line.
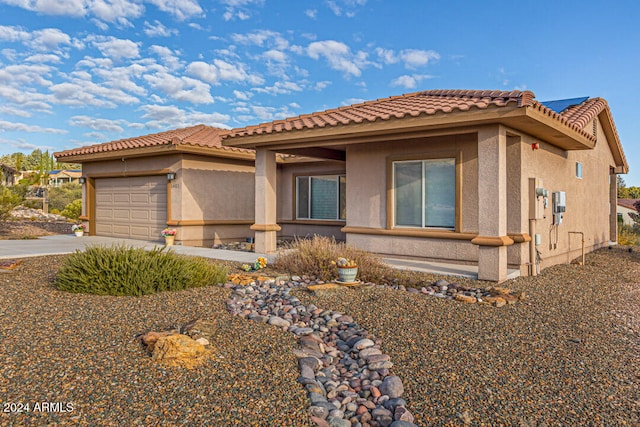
114 48
157 29
240 9
97 124
339 56
168 57
181 9
48 39
410 82
311 13
321 85
348 7
22 127
160 116
414 58
25 75
275 55
181 88
222 70
262 38
243 96
41 58
280 88
5 109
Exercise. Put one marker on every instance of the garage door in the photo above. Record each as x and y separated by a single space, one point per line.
134 208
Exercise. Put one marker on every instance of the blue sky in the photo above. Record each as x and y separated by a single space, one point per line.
80 72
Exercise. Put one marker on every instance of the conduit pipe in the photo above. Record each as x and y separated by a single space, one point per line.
532 249
582 235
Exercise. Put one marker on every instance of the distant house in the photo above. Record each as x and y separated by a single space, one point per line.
490 178
64 176
9 175
626 207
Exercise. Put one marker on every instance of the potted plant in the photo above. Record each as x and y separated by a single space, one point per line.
78 229
169 236
347 270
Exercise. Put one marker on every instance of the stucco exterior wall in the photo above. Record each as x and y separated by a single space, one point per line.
286 212
210 201
369 168
588 207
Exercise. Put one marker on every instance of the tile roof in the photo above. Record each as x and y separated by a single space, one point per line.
199 135
628 203
426 103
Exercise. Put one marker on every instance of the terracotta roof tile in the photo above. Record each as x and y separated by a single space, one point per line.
628 203
199 135
395 107
425 103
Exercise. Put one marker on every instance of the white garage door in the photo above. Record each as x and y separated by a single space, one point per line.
134 208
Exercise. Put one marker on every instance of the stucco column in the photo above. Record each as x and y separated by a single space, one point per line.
492 204
265 216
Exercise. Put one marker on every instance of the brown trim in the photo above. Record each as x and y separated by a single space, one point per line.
440 154
129 174
340 222
265 227
492 241
83 218
204 222
91 205
519 237
410 232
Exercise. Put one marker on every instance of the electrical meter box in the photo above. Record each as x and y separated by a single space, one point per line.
538 197
559 206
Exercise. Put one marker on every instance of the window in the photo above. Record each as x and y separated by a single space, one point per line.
425 193
321 197
578 170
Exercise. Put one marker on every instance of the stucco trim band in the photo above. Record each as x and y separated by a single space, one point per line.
519 237
201 222
265 227
492 241
340 222
406 232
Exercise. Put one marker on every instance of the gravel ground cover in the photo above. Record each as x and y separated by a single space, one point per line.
566 355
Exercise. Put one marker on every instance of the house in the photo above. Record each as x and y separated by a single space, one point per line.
490 178
625 208
59 177
184 178
9 175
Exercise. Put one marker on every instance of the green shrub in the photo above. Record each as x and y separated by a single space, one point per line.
60 197
123 270
629 235
73 210
8 201
313 257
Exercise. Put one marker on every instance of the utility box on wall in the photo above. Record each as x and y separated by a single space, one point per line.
538 197
559 206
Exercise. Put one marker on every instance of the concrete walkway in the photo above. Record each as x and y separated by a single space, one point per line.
65 244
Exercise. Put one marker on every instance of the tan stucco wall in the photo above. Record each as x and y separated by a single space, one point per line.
286 199
368 169
205 189
588 199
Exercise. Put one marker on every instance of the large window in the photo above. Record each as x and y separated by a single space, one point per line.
321 197
425 193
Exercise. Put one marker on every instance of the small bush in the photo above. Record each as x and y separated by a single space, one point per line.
73 210
8 201
313 257
61 197
123 270
629 235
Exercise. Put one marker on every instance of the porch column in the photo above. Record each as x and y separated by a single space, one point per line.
492 204
265 216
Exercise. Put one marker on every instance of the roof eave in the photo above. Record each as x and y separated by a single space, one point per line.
524 119
609 129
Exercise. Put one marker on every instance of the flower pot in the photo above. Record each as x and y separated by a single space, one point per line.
168 240
79 233
347 274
